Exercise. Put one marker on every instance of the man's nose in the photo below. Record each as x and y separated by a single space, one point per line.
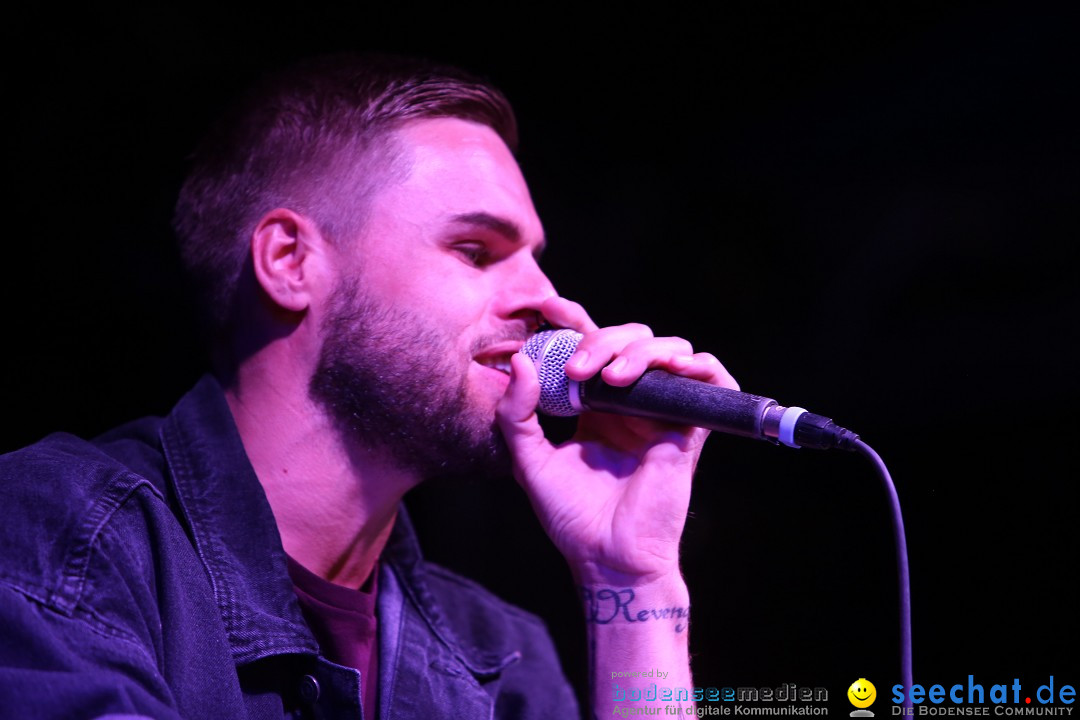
526 288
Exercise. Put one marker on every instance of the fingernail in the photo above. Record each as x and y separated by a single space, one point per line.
618 365
683 360
580 358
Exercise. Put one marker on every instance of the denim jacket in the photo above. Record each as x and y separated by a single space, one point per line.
142 574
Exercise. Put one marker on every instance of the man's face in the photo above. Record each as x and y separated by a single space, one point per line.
441 287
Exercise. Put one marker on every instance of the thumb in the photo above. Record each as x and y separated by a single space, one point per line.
516 413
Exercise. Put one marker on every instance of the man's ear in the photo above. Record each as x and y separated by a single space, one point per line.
286 253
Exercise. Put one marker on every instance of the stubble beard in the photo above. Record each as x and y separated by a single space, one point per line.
389 379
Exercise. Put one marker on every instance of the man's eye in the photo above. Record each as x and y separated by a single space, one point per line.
473 254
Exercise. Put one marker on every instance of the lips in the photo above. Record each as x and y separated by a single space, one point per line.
498 357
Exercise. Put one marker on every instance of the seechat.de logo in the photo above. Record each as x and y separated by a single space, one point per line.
975 698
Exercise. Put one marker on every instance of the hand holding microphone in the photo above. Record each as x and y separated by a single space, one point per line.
614 496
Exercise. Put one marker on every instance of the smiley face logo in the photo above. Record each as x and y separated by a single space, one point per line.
862 693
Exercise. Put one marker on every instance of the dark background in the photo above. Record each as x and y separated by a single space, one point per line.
867 212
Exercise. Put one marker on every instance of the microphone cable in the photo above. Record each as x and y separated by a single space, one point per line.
903 577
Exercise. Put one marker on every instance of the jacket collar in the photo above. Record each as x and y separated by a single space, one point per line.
485 656
232 527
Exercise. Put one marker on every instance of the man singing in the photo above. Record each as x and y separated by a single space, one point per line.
366 248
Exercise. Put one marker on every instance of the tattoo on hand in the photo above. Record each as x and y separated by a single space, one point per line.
607 605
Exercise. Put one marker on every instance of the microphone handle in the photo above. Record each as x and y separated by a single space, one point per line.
659 395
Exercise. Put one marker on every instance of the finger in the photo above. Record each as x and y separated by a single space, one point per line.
563 313
516 412
700 366
597 349
640 355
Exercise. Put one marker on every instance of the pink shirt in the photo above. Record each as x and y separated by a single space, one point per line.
343 621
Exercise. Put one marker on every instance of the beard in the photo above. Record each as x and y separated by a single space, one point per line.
390 380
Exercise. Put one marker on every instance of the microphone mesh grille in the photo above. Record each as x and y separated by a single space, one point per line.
549 351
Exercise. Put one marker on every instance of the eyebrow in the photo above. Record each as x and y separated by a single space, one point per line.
507 228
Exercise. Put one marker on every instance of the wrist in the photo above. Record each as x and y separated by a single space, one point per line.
588 575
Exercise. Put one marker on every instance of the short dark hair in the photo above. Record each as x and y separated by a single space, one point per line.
306 138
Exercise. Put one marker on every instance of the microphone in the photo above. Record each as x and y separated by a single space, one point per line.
659 395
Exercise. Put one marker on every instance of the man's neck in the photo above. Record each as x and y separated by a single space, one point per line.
334 501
